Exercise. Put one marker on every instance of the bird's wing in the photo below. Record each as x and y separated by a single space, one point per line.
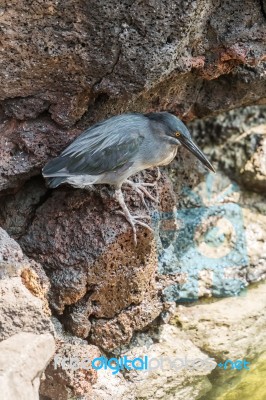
105 147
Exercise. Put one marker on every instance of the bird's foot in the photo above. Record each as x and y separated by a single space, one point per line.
140 188
132 219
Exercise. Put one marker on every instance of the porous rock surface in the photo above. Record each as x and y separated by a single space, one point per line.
65 60
100 281
215 244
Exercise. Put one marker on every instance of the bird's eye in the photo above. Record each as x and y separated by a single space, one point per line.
177 134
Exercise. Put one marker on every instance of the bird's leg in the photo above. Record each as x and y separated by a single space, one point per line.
90 188
158 175
132 219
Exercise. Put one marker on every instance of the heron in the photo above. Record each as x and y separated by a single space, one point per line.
113 150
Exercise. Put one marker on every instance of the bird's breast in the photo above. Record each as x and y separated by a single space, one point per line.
155 153
168 157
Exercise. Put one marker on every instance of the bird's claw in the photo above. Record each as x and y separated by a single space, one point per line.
133 221
134 216
141 195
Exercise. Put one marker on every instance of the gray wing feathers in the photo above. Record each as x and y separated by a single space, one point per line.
104 147
54 182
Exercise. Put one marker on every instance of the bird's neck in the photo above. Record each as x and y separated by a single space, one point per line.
173 141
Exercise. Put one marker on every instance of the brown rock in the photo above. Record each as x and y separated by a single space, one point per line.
235 141
26 146
112 333
18 209
25 108
65 378
66 65
56 68
93 266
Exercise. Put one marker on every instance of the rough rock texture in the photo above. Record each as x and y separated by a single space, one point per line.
196 340
215 244
17 210
23 289
68 64
147 41
167 343
236 142
110 386
187 57
105 289
96 273
23 358
63 383
27 344
24 147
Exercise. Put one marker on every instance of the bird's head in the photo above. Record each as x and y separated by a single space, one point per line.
177 129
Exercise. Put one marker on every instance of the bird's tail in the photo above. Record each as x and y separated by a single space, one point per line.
54 182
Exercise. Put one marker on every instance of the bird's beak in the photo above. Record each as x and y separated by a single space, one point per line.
190 145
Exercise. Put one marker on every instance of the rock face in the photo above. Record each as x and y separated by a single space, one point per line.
23 288
146 42
183 355
177 56
168 347
27 344
60 383
230 329
107 291
215 243
174 357
236 141
236 334
66 65
23 357
95 270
